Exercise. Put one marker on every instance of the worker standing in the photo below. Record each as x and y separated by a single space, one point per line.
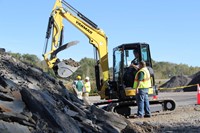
78 87
142 83
86 90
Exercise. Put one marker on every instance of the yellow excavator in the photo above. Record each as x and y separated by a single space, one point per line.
118 93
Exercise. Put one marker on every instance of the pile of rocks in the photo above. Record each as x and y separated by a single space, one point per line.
71 62
195 80
176 81
182 81
31 101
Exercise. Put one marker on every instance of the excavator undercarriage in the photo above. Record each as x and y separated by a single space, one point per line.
128 108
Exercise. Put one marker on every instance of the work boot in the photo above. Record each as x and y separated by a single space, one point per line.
138 116
147 116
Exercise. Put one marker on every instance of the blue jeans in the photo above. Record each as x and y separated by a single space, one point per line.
143 102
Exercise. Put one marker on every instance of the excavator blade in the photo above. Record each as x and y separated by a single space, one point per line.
64 70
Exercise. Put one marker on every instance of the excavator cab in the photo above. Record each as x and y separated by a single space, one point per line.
124 73
120 93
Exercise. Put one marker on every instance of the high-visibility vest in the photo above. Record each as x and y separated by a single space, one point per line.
87 87
146 82
78 85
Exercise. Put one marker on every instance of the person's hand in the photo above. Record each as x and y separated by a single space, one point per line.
131 65
135 66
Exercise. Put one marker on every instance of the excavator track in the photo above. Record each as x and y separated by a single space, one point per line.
129 108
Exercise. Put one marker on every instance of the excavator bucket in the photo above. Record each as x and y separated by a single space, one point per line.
62 69
65 70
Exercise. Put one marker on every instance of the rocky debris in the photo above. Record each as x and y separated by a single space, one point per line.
181 81
8 127
176 81
71 62
195 80
2 50
32 101
185 119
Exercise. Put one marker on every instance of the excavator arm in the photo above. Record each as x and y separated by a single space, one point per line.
62 10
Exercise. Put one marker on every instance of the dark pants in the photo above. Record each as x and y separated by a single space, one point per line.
143 102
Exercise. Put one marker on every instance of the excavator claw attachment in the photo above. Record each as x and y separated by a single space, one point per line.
64 70
63 47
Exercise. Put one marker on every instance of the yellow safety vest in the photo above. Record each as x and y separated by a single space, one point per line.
146 82
87 87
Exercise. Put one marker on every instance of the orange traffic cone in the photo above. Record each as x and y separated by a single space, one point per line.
198 94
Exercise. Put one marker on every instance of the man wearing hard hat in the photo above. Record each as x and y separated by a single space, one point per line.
78 87
86 90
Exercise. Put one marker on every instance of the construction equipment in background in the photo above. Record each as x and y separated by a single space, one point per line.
118 93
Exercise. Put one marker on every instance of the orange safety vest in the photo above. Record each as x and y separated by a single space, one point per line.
146 82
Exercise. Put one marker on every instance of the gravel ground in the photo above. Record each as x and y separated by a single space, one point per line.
185 119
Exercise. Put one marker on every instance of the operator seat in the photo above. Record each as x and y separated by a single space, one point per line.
129 76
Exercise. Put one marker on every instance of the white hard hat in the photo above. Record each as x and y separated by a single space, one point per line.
87 78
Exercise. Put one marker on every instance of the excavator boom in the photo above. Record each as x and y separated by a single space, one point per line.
63 11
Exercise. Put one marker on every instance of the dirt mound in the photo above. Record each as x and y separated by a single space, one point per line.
71 62
179 81
195 80
31 101
176 81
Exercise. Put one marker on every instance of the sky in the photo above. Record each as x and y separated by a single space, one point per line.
170 27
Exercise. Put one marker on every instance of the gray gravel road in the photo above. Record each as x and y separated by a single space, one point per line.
181 98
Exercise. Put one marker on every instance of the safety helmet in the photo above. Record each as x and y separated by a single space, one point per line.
78 77
87 78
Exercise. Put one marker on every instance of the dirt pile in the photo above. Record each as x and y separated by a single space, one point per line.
31 101
195 80
71 62
176 81
180 81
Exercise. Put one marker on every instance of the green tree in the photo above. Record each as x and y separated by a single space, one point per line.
15 55
30 58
